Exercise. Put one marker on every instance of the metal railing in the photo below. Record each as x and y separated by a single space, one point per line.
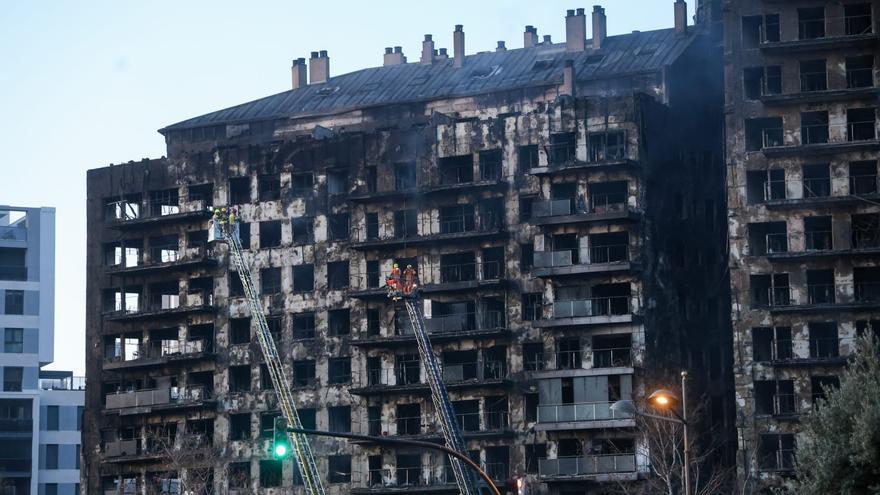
778 460
860 78
480 370
814 134
814 81
776 243
408 477
551 207
820 294
771 296
13 233
68 383
13 272
569 360
863 184
824 347
612 357
16 425
464 322
818 240
811 29
784 404
568 257
582 411
858 24
156 396
607 202
861 130
593 306
867 292
772 137
611 253
587 465
387 377
161 349
560 153
497 470
468 272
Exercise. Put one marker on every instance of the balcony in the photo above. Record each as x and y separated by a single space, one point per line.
824 96
147 401
816 351
796 193
419 479
17 273
472 426
143 214
601 259
584 415
16 427
199 302
455 277
813 144
868 40
615 467
459 228
822 297
169 261
69 383
563 157
445 328
590 311
14 234
561 211
409 380
156 355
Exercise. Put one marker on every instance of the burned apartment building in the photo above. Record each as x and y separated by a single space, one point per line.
560 201
802 98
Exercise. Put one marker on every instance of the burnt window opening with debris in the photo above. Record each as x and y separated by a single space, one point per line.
863 177
770 290
532 306
526 256
457 219
820 287
303 278
239 475
402 324
814 127
608 196
371 178
405 224
860 124
236 289
304 325
239 331
490 165
562 148
337 182
817 233
497 413
817 180
568 353
776 452
270 234
164 249
269 187
304 373
303 229
533 454
307 417
338 227
533 356
610 351
824 342
775 397
527 158
337 275
814 75
339 419
867 284
771 344
765 185
530 402
270 473
819 385
768 238
275 324
164 202
570 447
857 19
407 368
759 29
339 322
762 81
860 71
301 184
373 325
606 146
239 190
239 426
270 281
763 133
267 423
458 267
265 378
468 414
244 235
371 222
456 169
811 23
339 370
201 192
197 239
339 467
491 214
525 207
239 378
612 247
409 419
373 274
865 231
405 176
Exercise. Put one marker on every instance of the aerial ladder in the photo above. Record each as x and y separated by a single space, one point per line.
405 289
224 228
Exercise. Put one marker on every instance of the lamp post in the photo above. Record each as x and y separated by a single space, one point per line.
663 399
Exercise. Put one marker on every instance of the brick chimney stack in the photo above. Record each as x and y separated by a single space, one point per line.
298 73
575 30
600 27
681 21
393 56
427 50
319 67
530 37
458 46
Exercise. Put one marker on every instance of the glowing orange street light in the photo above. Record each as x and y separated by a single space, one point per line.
662 399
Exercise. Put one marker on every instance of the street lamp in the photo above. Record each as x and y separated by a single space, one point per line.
664 399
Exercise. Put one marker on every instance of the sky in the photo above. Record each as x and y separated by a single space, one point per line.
86 84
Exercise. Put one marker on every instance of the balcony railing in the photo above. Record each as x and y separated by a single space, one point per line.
814 134
465 322
778 460
863 184
593 306
824 347
569 360
777 243
598 254
867 292
784 405
157 396
818 240
485 370
13 233
13 272
861 131
69 383
16 425
469 272
587 465
772 296
583 411
165 348
820 294
551 207
409 477
612 357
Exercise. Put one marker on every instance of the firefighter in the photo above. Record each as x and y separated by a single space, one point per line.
409 280
394 278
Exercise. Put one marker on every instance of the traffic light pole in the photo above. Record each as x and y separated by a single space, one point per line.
410 443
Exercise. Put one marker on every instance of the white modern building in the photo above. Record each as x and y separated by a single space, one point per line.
40 411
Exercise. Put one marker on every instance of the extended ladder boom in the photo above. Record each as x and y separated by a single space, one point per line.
301 449
445 412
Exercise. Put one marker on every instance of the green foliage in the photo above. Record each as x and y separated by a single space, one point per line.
839 449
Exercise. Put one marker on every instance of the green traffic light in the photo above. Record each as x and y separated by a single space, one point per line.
280 450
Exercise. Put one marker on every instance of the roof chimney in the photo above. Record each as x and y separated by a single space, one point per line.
600 27
567 79
427 50
458 46
298 73
575 31
547 40
442 54
319 67
530 37
393 56
681 20
500 47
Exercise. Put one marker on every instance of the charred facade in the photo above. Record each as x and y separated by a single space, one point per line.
560 203
802 148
